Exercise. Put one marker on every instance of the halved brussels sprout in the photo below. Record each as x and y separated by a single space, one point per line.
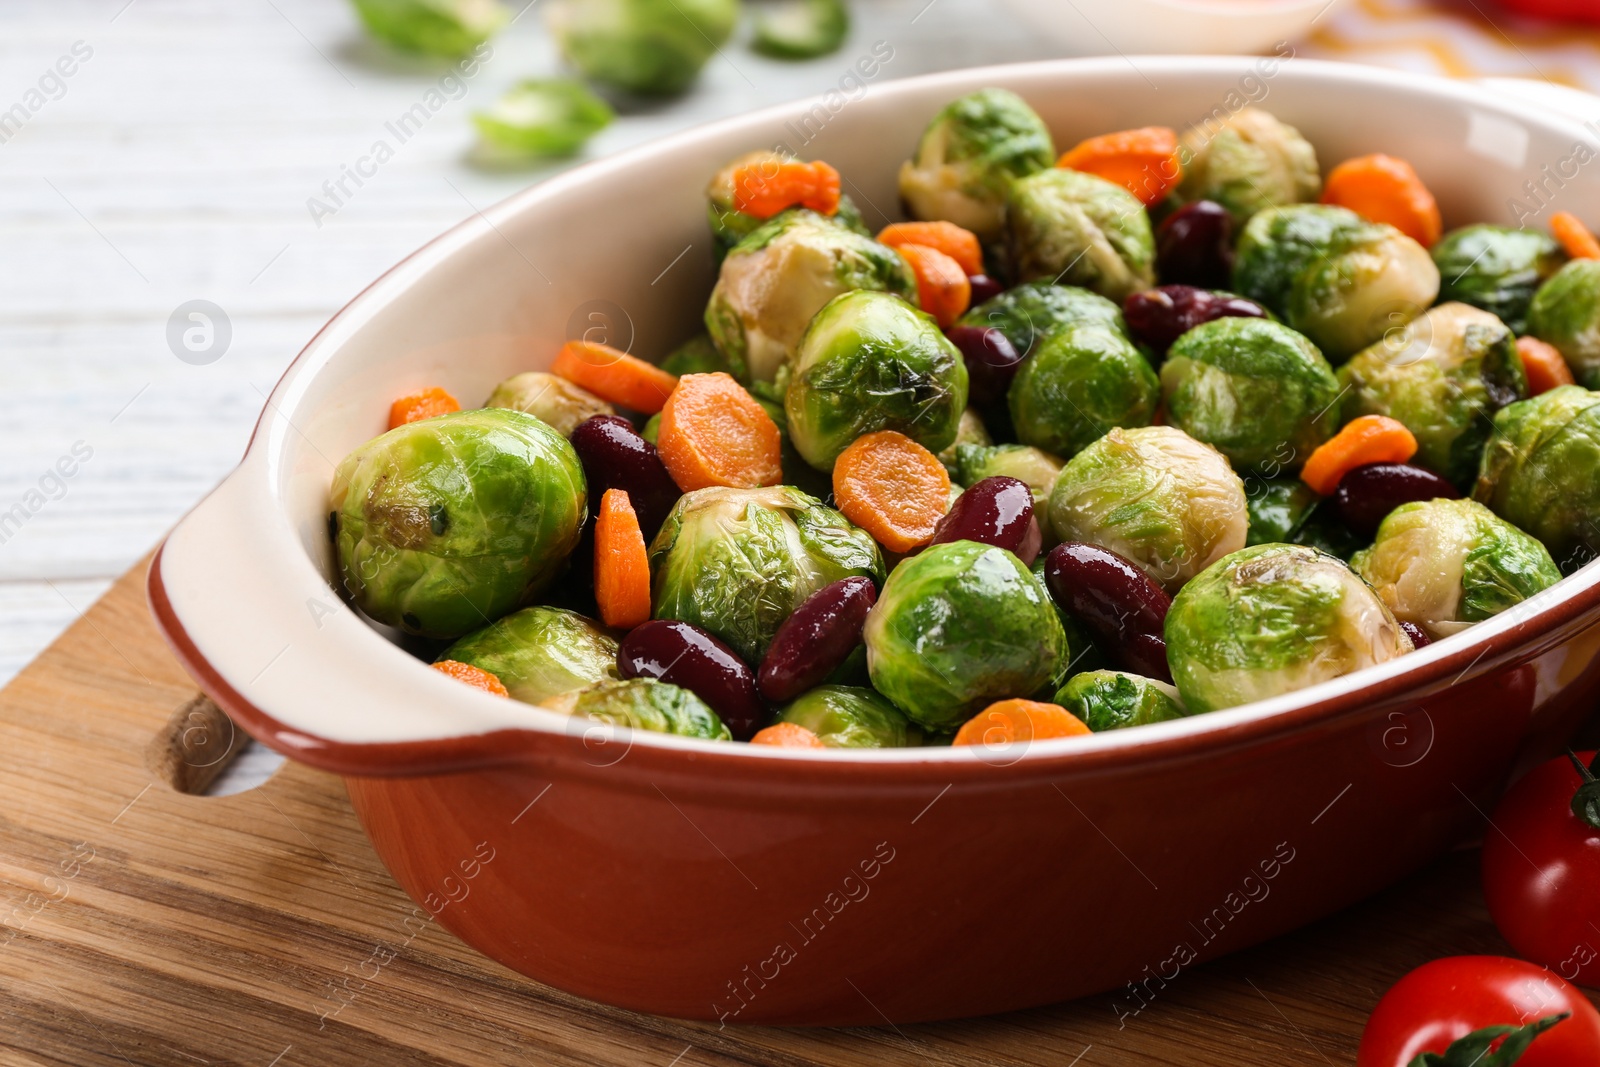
1252 161
443 524
1446 564
737 562
1566 313
801 29
550 398
870 361
1272 619
1541 472
970 432
968 157
1444 375
644 46
1496 268
729 226
436 27
846 716
1032 311
1257 391
959 626
1034 467
1278 508
1111 700
543 117
1169 503
1079 383
1073 227
776 279
540 652
645 704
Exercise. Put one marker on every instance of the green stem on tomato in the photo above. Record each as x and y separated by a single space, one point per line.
1586 801
1473 1050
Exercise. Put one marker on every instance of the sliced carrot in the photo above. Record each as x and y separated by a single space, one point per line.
1363 440
766 188
1574 236
1145 161
1544 365
423 405
476 677
787 735
1383 188
713 432
943 288
959 244
614 376
891 487
621 564
1008 721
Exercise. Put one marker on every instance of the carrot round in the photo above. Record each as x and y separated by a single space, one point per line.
1145 161
766 188
943 288
1008 721
713 432
959 244
422 405
614 376
893 488
1383 188
1544 365
1574 236
1363 440
476 677
621 564
787 735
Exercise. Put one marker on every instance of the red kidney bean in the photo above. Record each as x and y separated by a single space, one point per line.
614 456
818 637
1194 246
1109 594
1419 636
991 361
1144 655
1159 317
1368 493
984 288
687 656
996 511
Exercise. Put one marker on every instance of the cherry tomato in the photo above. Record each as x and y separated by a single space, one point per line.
1444 1001
1541 870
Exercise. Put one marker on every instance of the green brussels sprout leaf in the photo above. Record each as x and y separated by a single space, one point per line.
434 27
552 117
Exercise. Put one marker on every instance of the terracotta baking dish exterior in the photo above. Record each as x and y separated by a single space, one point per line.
729 883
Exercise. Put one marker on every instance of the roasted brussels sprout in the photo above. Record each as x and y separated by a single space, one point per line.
1154 494
968 157
436 27
1496 268
1271 619
1444 375
970 432
1278 507
1252 161
442 524
958 626
776 279
729 226
1079 383
846 716
1034 467
1446 564
1073 227
645 704
870 361
1110 700
1255 390
549 398
1032 311
1541 472
540 652
737 562
1566 313
644 46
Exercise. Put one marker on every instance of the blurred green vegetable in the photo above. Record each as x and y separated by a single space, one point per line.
1496 268
1111 700
644 46
1073 227
436 27
549 398
729 226
1032 311
851 717
1566 313
540 652
801 29
646 704
1250 162
1034 467
1080 382
970 431
544 117
1541 472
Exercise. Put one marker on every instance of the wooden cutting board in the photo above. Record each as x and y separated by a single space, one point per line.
140 924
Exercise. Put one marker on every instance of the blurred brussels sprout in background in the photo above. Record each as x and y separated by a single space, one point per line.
1496 268
1029 312
442 524
778 277
1277 507
729 226
845 716
1566 313
1079 383
970 432
959 626
1034 467
1154 494
968 157
645 704
1272 619
1249 162
1446 564
1254 389
436 27
801 29
737 562
1111 700
695 356
1073 227
1541 472
543 117
870 361
1444 375
644 46
540 652
549 398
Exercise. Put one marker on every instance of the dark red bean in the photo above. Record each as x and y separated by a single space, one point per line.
996 511
614 456
1144 655
1114 598
687 656
816 639
1194 246
1419 636
984 288
991 361
1159 317
1367 494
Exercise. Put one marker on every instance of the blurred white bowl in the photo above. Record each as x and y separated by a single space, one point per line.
1098 27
